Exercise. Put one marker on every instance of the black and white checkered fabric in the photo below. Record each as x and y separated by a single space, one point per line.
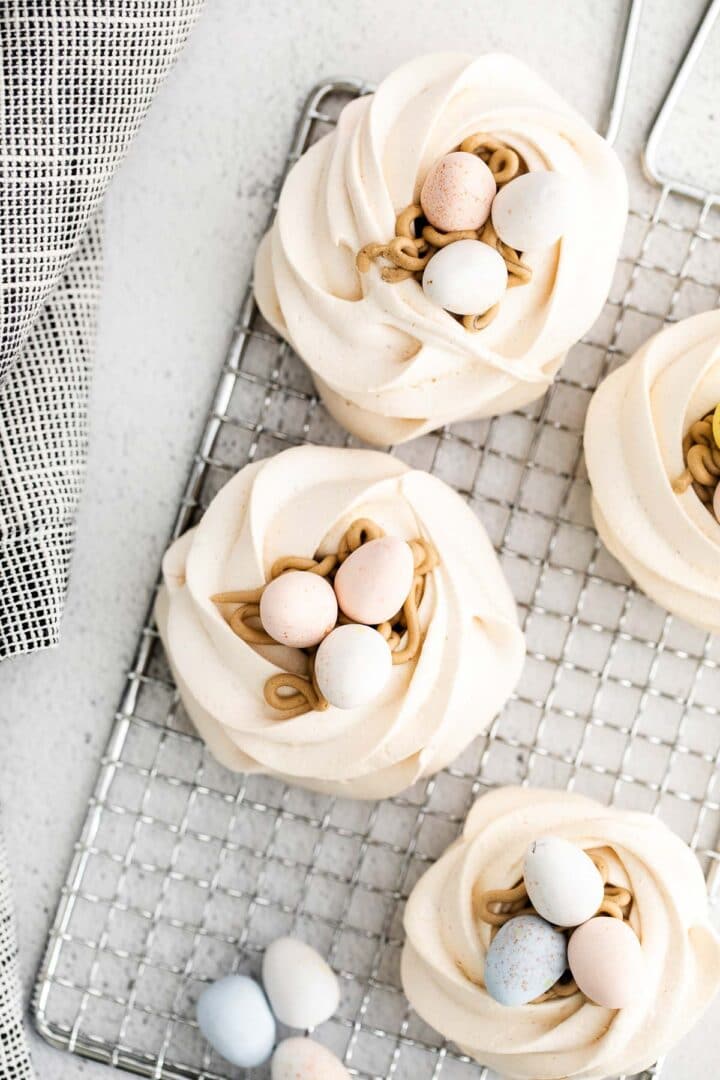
76 79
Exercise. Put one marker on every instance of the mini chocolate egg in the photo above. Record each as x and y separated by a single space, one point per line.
235 1018
305 1059
352 665
374 581
466 278
458 192
301 988
606 961
534 210
716 502
563 883
526 957
298 608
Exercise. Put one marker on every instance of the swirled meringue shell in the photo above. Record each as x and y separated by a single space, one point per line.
444 954
668 543
301 502
388 362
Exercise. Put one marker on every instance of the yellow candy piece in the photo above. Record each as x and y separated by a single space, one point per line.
716 425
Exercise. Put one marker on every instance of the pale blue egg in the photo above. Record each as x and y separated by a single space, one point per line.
526 957
235 1018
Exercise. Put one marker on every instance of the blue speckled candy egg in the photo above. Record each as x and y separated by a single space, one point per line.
526 957
235 1018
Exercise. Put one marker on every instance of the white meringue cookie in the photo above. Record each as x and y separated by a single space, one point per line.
388 362
635 425
301 502
443 958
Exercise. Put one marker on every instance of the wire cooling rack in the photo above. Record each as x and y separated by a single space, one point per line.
184 871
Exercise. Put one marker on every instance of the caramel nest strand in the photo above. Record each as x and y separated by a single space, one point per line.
292 694
415 241
498 906
701 454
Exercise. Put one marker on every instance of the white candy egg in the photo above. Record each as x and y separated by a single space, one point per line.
467 277
563 883
458 192
526 957
533 211
305 1059
302 989
235 1018
607 963
298 609
352 665
373 583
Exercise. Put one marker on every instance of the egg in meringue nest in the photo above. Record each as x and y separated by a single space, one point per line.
653 460
673 966
389 361
453 658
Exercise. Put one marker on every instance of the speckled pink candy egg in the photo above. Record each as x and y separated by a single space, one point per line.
305 1059
298 609
606 961
373 583
716 502
458 192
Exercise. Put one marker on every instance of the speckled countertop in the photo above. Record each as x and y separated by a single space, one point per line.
183 217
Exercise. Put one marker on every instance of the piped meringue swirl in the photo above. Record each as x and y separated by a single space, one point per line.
301 502
668 542
443 958
389 363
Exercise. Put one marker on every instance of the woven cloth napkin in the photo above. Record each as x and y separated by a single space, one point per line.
76 79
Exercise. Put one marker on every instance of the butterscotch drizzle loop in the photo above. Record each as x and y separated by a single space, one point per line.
424 555
408 255
239 596
509 902
518 272
322 567
497 906
292 694
438 239
504 162
702 460
240 625
473 323
360 532
416 241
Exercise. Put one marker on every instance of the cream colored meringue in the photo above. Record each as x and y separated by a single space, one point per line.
389 363
299 503
443 958
635 425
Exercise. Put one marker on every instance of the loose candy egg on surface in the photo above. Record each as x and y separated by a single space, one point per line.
458 192
526 957
352 665
235 1018
374 581
716 502
466 278
606 961
298 609
301 988
563 883
305 1059
534 210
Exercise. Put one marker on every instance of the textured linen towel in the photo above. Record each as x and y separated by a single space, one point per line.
76 79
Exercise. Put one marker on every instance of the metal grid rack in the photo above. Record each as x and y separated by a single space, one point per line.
184 871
